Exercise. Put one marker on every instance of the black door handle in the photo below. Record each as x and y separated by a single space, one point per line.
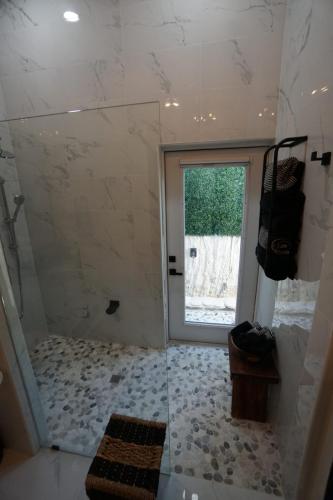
173 272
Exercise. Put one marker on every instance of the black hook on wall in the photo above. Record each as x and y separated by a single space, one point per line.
325 158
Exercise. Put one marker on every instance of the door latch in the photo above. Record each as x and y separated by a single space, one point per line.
173 272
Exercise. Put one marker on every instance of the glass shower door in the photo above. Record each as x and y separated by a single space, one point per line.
89 234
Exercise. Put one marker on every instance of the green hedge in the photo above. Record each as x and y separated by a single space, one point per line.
214 201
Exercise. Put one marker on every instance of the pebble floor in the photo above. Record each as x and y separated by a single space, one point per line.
218 316
82 382
204 440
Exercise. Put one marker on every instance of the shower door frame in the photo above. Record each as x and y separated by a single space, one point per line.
259 145
16 352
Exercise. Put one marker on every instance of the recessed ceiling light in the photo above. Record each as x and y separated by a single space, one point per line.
71 17
175 103
324 89
167 104
314 91
260 115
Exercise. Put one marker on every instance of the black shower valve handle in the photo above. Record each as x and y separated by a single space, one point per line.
113 306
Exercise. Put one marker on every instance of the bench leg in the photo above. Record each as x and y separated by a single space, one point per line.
249 399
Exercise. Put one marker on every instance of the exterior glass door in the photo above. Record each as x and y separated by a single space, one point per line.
213 223
212 216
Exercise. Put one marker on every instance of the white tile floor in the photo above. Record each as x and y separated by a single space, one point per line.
54 475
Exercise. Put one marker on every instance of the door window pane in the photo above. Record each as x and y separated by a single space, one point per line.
214 202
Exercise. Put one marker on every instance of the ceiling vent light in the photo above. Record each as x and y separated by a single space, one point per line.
71 17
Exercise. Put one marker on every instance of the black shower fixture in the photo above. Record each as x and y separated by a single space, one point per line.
113 306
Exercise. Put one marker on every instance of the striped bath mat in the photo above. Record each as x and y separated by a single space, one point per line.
128 460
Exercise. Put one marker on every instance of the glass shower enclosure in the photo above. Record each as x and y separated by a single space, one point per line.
85 269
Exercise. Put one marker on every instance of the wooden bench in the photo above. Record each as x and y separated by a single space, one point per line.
250 383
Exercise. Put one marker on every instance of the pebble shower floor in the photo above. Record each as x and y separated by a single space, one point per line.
82 382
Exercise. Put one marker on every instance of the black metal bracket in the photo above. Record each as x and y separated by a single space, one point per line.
325 158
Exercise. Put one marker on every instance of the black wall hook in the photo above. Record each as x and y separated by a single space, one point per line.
325 159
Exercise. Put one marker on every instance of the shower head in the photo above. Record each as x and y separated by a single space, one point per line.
19 199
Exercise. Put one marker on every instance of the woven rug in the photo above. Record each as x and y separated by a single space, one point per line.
128 460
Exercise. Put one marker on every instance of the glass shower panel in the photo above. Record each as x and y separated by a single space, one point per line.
89 247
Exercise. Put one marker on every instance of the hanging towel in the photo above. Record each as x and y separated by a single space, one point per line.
289 174
280 219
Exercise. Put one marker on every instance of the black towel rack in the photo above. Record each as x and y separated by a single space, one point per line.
288 142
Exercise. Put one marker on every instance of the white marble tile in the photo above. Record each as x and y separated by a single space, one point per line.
241 61
58 475
154 24
60 89
41 52
49 474
91 180
188 488
177 123
162 73
136 50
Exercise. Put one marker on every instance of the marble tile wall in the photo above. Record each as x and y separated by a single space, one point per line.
209 56
91 184
305 108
